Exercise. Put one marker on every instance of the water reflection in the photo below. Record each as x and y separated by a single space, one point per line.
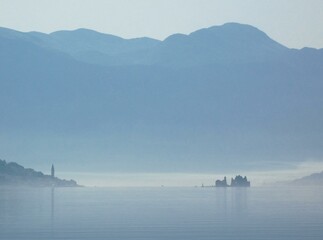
239 200
231 200
52 209
221 201
52 203
167 213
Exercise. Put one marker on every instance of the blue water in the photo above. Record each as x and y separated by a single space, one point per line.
161 213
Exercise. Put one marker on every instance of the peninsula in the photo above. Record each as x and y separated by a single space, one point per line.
13 174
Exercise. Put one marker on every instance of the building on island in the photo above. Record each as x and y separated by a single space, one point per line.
238 181
221 183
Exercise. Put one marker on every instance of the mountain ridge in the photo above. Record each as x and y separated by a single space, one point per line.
213 45
310 180
160 110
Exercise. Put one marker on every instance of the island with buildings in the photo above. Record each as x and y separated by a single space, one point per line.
238 181
13 174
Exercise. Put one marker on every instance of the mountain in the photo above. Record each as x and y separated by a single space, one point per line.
13 174
227 44
88 45
315 179
230 43
225 97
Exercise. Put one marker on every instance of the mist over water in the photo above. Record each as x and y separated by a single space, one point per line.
161 213
188 179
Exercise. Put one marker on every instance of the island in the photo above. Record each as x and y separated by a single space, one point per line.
13 174
238 181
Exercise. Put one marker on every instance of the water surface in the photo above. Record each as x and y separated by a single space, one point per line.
161 213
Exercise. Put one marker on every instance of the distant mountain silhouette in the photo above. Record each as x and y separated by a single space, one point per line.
89 46
315 179
230 43
13 174
222 97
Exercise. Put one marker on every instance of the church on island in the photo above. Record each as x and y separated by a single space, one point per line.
238 181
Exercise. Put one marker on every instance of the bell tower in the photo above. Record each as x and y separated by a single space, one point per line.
53 171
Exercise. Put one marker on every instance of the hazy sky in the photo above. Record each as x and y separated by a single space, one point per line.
294 23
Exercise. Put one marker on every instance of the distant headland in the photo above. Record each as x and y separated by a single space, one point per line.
13 174
314 179
238 181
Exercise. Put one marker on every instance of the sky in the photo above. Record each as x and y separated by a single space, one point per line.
294 23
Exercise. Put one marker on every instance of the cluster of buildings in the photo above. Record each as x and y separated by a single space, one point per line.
238 181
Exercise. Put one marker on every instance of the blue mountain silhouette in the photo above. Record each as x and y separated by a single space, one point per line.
221 97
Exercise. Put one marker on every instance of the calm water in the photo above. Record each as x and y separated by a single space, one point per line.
161 213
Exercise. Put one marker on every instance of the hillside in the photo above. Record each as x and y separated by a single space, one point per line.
224 97
315 179
13 174
231 43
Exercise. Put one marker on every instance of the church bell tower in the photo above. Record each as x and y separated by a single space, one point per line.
52 171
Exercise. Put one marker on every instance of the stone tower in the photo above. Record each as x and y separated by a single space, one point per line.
52 171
